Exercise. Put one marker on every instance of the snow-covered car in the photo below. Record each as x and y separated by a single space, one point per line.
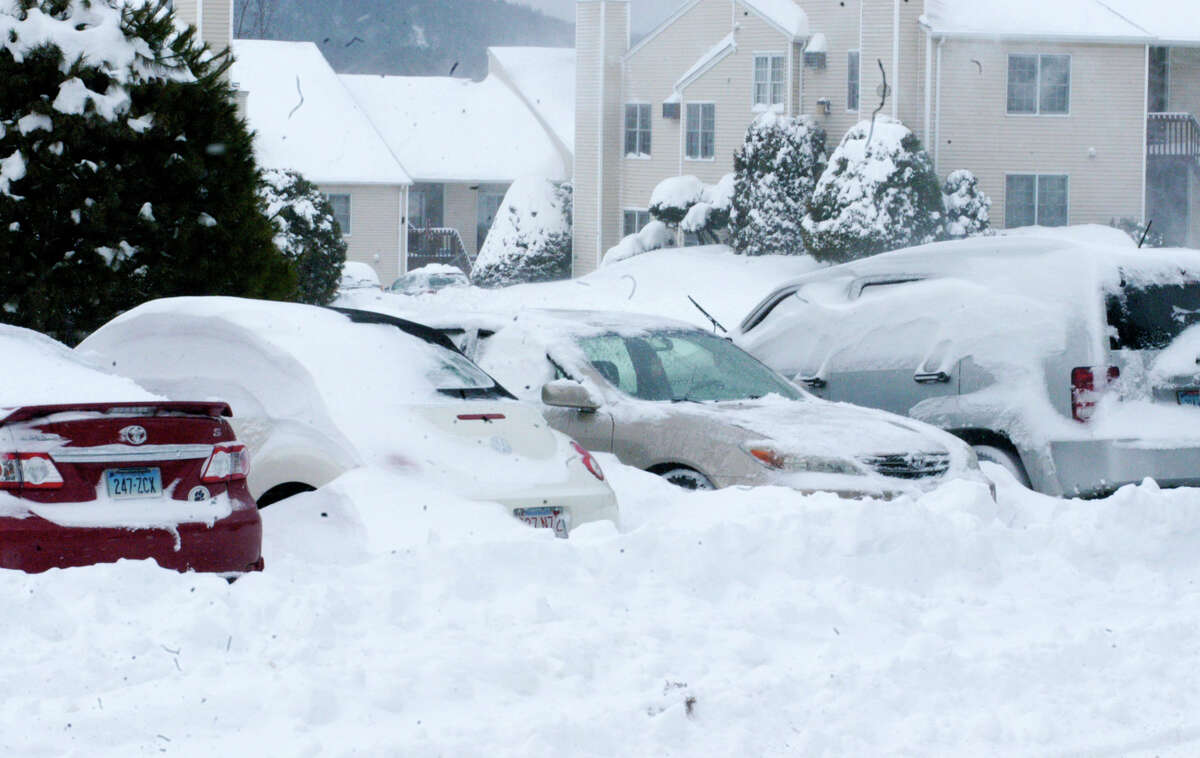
357 275
1068 357
428 279
316 392
94 469
694 408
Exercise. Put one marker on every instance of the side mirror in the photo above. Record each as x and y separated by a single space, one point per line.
564 393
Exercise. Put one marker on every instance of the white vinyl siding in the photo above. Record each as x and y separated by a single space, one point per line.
376 214
701 131
770 76
1039 84
633 221
1041 199
637 130
341 211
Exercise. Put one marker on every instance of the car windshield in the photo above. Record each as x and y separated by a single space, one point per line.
450 371
1149 317
680 365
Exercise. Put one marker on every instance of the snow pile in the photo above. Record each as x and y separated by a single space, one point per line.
655 235
530 239
397 619
42 371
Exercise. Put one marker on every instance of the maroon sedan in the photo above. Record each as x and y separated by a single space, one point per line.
96 482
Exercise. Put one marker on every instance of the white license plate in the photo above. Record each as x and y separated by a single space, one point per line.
548 517
133 482
1189 397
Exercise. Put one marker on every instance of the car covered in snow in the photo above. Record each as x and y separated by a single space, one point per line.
691 406
1072 358
94 469
429 279
317 391
357 275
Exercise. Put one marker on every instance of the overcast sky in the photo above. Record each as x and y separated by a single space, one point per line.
646 13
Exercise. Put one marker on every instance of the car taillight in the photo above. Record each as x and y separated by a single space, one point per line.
227 462
29 471
1084 392
589 461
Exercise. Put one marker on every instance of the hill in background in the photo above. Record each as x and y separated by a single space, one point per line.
405 37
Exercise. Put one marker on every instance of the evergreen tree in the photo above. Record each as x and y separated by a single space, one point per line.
776 170
306 232
136 177
967 207
530 240
873 197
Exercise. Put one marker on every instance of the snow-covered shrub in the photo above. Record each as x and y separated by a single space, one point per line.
685 202
530 240
967 206
1136 229
776 170
125 171
653 236
873 198
673 197
306 232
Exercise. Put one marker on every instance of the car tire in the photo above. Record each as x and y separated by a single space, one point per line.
686 478
1006 458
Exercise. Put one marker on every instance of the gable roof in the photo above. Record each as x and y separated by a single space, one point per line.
785 15
1115 21
545 78
304 119
456 130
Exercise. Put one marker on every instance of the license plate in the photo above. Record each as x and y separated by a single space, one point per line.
133 482
546 518
1189 397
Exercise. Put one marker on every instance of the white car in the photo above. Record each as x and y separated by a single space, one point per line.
316 392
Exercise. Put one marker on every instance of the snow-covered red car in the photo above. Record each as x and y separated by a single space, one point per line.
94 469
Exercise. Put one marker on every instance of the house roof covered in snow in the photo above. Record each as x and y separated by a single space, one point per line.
305 120
785 15
1135 21
545 78
455 130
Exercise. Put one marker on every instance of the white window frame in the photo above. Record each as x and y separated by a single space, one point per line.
699 132
638 214
770 103
857 84
1037 177
329 196
1037 81
646 128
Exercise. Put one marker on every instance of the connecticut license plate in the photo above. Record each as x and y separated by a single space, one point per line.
546 518
1189 397
133 482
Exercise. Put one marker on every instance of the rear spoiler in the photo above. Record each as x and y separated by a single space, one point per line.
147 407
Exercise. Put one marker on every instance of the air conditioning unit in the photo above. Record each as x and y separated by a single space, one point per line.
814 60
670 110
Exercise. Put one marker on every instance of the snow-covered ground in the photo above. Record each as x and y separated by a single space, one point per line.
395 621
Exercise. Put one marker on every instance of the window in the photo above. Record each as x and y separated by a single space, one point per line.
425 205
1035 199
341 211
634 220
852 80
637 129
1159 77
768 79
701 131
1039 84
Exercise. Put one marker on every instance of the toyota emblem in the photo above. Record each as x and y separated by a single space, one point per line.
134 435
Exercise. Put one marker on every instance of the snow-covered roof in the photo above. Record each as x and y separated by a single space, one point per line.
305 120
784 14
1135 21
456 130
710 58
545 78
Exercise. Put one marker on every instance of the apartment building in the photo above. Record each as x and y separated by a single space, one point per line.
1069 112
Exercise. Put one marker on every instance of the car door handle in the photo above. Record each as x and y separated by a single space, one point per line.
812 382
931 377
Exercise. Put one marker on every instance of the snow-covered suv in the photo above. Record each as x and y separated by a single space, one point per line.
1066 357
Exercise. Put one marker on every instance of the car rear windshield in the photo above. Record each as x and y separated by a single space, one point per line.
1148 317
678 365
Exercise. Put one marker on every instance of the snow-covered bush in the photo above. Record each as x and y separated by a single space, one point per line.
873 197
967 206
306 232
673 197
653 236
125 171
530 240
776 170
686 203
1137 230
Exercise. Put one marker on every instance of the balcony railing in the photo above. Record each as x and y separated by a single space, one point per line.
437 244
1174 135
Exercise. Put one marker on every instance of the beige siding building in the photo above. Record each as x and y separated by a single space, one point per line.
1064 118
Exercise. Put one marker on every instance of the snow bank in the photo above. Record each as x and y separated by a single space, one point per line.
392 620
